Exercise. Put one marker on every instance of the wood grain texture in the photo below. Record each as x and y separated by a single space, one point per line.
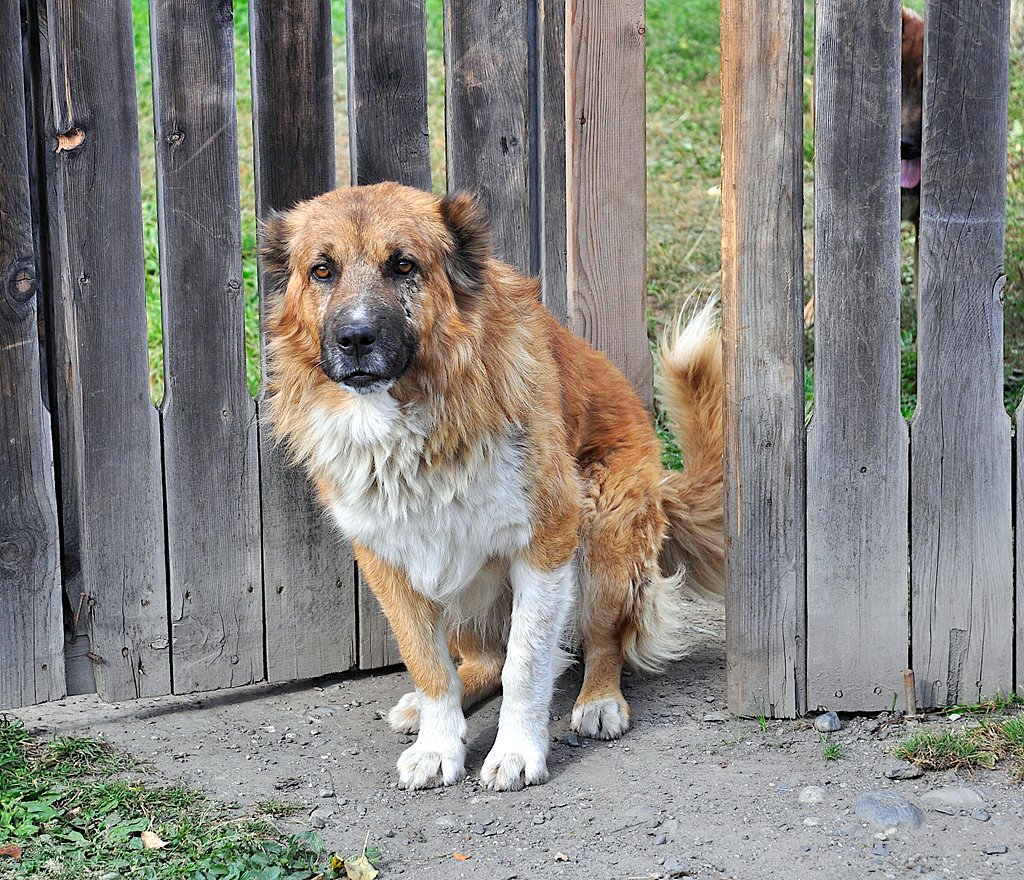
858 624
65 408
388 140
961 533
31 630
209 419
96 252
311 620
762 310
551 156
486 115
606 198
387 92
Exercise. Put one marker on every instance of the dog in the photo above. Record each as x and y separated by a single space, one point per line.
499 480
911 113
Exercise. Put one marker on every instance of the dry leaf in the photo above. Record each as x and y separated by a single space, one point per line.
151 841
12 850
360 869
561 857
461 857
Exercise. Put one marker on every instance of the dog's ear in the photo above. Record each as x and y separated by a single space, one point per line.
275 250
474 249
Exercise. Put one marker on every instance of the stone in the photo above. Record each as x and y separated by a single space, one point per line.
981 815
889 810
904 771
996 849
715 718
812 794
320 817
661 840
828 722
951 800
569 739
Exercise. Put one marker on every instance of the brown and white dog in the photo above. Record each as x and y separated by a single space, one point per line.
499 480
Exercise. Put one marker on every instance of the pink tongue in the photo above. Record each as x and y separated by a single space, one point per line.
910 173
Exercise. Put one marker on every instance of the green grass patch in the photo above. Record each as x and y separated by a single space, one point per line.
977 746
75 813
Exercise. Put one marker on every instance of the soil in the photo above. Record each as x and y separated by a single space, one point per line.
689 791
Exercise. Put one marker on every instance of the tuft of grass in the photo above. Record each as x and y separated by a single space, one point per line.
1000 704
277 809
831 751
75 820
978 746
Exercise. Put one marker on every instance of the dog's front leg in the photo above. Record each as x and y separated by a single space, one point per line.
438 757
540 607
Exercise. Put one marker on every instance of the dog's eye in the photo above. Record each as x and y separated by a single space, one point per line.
404 266
321 272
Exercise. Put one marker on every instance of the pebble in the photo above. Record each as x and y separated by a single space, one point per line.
479 829
326 792
952 800
662 839
320 816
888 809
811 822
569 739
715 718
996 849
828 722
320 712
805 847
904 771
538 819
980 815
812 794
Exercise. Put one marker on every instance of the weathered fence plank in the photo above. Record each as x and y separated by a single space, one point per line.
962 565
857 442
606 210
762 308
388 140
98 275
308 571
31 630
487 142
387 82
551 156
209 419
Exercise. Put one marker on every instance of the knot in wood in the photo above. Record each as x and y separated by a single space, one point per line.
22 282
69 140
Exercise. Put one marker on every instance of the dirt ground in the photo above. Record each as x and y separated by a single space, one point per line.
689 792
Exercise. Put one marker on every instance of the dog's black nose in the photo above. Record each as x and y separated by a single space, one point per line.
910 150
356 339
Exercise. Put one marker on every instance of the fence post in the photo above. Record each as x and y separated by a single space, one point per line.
762 307
31 631
961 533
606 199
857 442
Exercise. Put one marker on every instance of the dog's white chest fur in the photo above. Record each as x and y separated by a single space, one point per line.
440 524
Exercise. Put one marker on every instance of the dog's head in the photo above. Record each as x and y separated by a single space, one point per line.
911 99
363 278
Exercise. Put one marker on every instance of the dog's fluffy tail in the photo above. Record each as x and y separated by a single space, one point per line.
690 386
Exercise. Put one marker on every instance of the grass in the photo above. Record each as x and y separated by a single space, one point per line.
993 734
831 751
75 811
684 178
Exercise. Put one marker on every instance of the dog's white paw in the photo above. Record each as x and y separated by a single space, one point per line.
404 717
511 765
427 766
606 718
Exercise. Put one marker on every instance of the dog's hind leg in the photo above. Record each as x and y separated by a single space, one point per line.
626 609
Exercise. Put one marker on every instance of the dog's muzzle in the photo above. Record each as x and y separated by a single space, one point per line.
366 351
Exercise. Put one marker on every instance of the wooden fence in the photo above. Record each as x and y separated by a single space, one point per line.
145 550
148 550
819 521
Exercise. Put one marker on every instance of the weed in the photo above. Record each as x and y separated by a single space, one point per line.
75 820
831 751
277 809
